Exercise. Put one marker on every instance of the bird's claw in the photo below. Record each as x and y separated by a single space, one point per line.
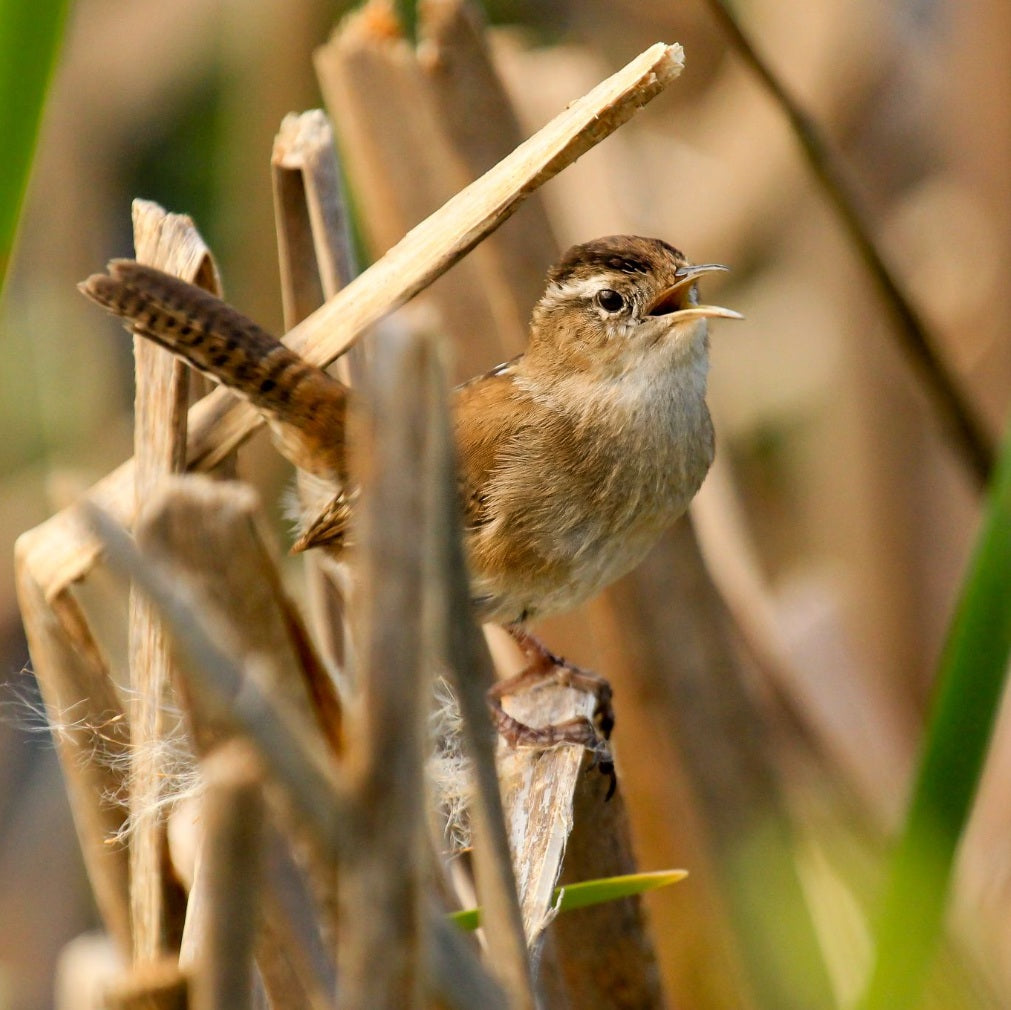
602 759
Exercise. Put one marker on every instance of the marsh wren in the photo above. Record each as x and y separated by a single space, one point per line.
573 457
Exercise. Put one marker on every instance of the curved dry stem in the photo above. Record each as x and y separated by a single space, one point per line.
955 412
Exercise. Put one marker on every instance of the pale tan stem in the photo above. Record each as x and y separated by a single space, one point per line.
91 733
231 867
316 259
454 635
171 243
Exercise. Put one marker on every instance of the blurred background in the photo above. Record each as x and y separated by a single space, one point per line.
852 515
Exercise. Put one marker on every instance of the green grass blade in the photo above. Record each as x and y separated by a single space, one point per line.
591 892
596 892
30 34
467 918
970 686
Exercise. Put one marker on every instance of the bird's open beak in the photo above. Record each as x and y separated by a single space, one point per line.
704 312
675 300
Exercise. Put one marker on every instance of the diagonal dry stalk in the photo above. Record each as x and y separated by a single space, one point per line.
454 122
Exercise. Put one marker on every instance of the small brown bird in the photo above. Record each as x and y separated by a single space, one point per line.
574 457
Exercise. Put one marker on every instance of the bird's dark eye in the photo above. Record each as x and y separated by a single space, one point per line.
609 301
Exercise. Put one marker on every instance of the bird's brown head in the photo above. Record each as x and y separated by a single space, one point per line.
615 303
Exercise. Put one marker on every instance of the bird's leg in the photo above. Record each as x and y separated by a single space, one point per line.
544 666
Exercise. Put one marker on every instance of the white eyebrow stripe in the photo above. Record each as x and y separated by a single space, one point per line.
585 287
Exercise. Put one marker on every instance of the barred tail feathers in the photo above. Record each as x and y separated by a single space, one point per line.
305 406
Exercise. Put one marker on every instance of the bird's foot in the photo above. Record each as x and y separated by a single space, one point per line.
545 666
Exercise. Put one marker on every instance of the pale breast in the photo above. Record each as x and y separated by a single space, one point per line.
577 497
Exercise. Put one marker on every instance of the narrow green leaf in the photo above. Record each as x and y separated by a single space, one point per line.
970 686
590 892
30 34
407 11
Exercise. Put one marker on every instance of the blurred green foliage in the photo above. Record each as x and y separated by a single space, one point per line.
30 36
970 686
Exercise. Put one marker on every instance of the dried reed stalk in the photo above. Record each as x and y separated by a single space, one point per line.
295 968
315 251
192 520
316 259
91 733
302 775
171 243
454 637
382 876
685 658
231 869
619 968
71 671
296 962
538 789
555 807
